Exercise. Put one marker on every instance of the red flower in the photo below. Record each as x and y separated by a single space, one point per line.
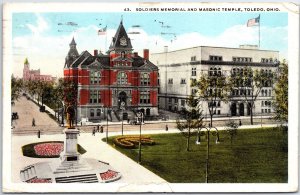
49 149
39 180
108 175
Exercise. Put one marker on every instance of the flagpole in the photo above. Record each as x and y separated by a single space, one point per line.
259 32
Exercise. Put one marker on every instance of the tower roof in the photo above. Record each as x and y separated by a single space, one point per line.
73 42
26 61
121 39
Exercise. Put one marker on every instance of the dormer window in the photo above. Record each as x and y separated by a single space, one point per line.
123 54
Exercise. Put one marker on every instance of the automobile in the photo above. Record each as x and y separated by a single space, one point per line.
14 116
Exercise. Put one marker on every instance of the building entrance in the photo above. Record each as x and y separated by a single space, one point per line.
122 99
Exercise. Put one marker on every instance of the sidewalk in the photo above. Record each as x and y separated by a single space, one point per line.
134 176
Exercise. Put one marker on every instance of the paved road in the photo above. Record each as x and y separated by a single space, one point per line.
27 110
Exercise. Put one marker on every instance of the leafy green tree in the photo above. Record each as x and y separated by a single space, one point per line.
280 103
247 84
212 88
193 119
16 88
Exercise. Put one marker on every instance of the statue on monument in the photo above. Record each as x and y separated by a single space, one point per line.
70 116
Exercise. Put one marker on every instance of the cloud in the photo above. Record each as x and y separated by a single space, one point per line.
48 52
40 27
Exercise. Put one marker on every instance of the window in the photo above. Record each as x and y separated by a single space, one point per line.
170 100
262 103
219 112
194 91
182 81
98 112
241 59
262 110
170 81
95 77
176 100
145 79
194 73
92 114
145 97
269 110
182 102
215 58
193 58
266 60
95 97
122 78
270 92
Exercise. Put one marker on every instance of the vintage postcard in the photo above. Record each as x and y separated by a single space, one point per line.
150 97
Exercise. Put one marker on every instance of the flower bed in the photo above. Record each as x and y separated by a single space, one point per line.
108 175
39 180
130 142
49 149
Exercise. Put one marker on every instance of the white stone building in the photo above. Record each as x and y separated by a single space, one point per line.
178 68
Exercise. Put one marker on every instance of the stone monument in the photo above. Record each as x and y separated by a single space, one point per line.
70 167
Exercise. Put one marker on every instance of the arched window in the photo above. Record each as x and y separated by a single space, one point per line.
262 92
211 72
145 79
219 71
98 112
123 54
122 78
270 92
234 72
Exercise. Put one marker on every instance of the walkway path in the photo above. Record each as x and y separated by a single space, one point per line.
27 110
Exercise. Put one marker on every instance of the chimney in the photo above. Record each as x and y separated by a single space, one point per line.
95 52
146 54
135 54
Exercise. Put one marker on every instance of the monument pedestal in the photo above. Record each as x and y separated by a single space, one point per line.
70 146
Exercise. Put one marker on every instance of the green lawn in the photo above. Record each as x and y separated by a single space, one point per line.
256 156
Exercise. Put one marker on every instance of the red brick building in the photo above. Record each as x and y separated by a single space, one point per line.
35 75
110 82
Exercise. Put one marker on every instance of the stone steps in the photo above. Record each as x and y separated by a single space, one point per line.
89 178
28 173
66 167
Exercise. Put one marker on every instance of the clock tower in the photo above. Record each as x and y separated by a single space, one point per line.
120 50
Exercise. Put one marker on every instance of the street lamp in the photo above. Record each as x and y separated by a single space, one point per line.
215 132
122 107
107 125
140 118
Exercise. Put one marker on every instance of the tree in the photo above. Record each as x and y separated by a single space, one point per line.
280 103
212 88
193 119
231 128
247 84
16 88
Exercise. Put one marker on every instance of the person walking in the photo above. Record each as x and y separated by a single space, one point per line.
167 128
39 133
98 128
94 131
33 122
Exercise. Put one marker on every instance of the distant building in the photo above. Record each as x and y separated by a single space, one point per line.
178 68
109 83
34 74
